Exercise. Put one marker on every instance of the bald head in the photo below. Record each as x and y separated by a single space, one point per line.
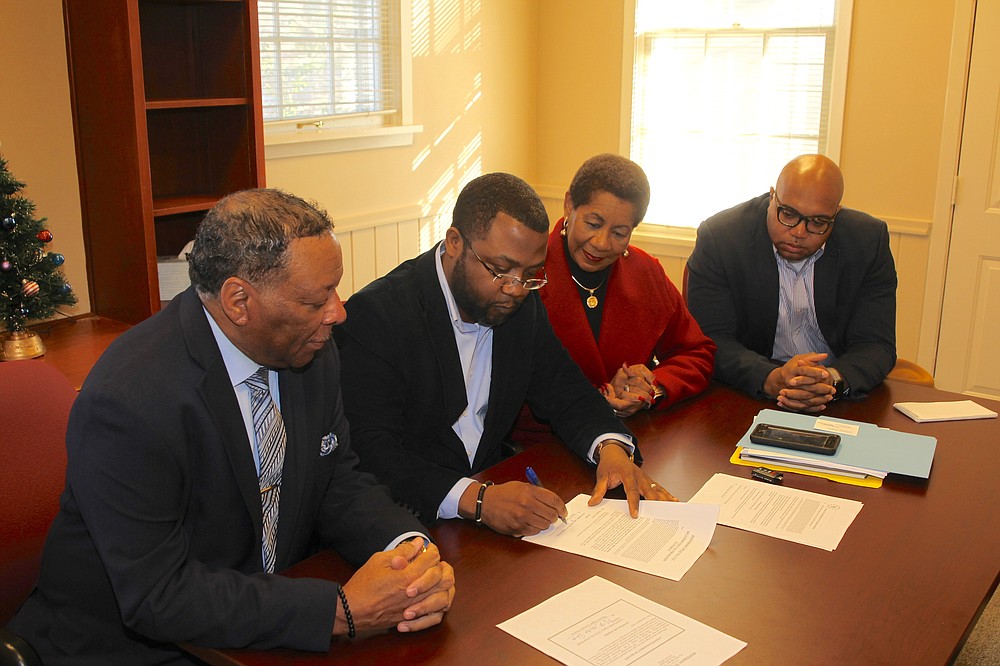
810 186
815 177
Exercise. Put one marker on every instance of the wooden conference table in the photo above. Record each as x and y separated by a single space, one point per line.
905 586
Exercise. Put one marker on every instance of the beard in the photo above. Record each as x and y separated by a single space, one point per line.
468 302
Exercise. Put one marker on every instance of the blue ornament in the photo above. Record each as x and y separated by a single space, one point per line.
57 259
9 223
65 288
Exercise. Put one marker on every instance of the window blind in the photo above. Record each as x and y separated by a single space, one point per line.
328 58
724 94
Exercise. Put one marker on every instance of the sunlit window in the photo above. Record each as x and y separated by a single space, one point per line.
329 59
725 92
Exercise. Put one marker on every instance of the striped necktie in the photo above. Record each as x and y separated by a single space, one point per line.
269 431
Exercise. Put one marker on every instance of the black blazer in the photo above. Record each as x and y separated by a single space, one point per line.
158 536
733 293
404 388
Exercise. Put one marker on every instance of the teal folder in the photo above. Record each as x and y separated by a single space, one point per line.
872 448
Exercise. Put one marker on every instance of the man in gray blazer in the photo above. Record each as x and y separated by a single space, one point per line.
160 538
798 293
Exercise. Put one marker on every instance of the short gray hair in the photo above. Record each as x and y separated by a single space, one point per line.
247 234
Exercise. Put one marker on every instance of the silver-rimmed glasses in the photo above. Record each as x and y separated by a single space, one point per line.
530 284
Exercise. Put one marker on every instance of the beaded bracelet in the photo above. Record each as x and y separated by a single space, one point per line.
479 502
351 633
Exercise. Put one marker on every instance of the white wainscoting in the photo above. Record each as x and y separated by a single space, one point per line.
375 244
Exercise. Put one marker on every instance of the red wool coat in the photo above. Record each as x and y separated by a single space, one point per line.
644 317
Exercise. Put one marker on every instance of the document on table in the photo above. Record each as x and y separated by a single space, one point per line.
665 540
598 623
794 515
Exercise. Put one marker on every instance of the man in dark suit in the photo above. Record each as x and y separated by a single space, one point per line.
161 536
798 293
440 355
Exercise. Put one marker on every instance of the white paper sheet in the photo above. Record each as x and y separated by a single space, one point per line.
956 410
598 623
794 515
665 540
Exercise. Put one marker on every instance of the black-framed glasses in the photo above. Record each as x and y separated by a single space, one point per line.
791 218
530 284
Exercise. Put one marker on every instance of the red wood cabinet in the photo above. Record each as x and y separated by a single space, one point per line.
167 118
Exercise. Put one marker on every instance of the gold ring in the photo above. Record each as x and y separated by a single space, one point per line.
627 388
653 485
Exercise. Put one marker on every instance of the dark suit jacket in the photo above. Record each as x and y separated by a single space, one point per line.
404 387
158 535
733 293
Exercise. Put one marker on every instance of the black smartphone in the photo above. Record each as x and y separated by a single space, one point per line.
793 438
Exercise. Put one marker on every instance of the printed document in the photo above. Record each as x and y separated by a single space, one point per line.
598 623
665 540
794 515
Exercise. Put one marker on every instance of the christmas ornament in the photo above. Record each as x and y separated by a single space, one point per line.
9 223
57 259
29 287
45 235
65 288
6 266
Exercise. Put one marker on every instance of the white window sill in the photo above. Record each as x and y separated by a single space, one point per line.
664 241
323 141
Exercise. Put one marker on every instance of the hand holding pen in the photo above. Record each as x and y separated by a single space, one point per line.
533 478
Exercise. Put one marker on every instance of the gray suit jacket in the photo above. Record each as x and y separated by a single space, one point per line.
733 293
158 536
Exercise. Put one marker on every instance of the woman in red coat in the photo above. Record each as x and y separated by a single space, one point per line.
612 306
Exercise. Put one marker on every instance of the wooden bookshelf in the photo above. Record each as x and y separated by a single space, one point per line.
167 118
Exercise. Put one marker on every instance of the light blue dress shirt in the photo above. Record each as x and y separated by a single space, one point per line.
798 329
239 367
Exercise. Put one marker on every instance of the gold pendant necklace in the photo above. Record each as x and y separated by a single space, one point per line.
591 300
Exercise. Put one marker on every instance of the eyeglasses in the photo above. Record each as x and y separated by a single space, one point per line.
791 218
531 284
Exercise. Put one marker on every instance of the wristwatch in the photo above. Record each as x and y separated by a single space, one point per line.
615 442
840 385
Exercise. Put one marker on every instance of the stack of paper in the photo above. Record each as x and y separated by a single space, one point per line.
866 451
769 457
957 410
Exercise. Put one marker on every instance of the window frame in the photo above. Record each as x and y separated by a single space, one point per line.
352 132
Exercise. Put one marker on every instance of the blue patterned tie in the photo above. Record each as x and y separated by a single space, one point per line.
269 430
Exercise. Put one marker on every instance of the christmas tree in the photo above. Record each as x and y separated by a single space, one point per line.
31 284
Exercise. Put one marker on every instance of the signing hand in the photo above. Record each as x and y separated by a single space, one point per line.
408 588
515 508
802 384
615 469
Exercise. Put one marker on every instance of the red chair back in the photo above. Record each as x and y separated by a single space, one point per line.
35 400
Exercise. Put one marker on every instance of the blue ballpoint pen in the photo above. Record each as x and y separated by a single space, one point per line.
530 473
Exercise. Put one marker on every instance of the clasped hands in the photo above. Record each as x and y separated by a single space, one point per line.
521 509
802 384
631 389
409 588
